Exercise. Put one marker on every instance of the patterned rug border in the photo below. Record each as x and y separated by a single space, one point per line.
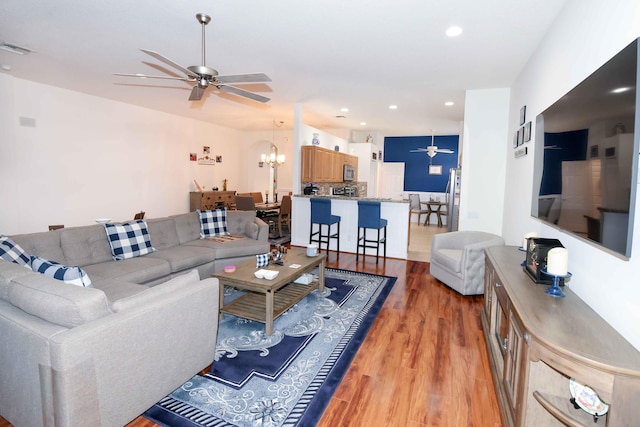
312 404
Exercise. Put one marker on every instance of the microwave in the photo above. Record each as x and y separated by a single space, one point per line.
349 173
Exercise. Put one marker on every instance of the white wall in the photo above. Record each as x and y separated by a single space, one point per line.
89 157
583 37
484 147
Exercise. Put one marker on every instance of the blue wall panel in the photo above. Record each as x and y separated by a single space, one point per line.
416 165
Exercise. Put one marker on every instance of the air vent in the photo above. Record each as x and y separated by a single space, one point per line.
14 48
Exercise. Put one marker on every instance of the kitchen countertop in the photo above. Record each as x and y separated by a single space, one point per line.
354 198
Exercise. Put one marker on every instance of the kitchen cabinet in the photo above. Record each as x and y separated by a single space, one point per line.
536 343
322 165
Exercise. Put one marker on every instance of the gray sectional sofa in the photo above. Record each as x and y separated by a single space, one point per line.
102 355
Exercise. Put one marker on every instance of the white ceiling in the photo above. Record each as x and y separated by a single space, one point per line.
329 54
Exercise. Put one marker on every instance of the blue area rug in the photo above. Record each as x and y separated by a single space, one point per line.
286 379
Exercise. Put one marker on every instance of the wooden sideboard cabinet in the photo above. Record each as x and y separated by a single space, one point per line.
211 199
536 343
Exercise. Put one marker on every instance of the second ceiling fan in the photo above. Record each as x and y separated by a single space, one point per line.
204 76
432 150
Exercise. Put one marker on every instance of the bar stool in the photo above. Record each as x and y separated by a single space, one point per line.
369 218
321 215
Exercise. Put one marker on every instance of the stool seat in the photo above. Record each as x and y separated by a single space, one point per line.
321 215
369 218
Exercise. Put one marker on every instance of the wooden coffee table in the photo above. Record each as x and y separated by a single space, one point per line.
265 299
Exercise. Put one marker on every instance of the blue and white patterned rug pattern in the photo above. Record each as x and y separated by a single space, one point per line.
285 379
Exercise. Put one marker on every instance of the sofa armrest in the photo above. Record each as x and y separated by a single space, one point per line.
263 230
145 350
473 255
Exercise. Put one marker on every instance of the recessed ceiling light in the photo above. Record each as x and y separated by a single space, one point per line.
448 103
453 31
393 107
363 123
344 109
621 89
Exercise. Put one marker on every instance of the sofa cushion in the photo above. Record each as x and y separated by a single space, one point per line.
57 302
9 271
163 232
187 226
85 245
252 230
137 270
184 257
213 222
167 287
117 289
129 239
45 244
12 252
449 258
237 221
72 275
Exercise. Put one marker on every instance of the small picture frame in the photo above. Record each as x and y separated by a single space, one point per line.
380 155
435 169
515 140
218 159
521 136
593 152
527 131
374 156
523 115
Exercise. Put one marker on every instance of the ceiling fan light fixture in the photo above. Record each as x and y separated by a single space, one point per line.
453 31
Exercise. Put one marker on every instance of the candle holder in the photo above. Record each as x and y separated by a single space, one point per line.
266 198
554 290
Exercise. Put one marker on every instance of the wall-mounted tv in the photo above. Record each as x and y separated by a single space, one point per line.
586 156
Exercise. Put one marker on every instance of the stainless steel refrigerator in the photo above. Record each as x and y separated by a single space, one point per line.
453 199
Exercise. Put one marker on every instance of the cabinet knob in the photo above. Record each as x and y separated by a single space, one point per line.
498 285
505 343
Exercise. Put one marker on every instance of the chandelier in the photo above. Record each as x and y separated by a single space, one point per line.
273 159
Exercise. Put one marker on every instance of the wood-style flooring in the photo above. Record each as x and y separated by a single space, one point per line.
423 362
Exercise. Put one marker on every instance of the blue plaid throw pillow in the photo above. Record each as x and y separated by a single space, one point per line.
72 275
129 239
213 223
12 252
262 260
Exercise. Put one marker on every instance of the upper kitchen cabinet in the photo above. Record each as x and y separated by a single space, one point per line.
322 165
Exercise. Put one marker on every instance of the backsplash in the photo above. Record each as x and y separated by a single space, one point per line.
324 188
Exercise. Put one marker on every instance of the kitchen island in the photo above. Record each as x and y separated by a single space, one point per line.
396 212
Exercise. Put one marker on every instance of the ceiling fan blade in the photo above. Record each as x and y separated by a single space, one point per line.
170 62
146 76
444 150
196 93
419 150
242 92
244 78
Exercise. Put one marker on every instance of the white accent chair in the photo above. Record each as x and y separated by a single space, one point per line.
457 259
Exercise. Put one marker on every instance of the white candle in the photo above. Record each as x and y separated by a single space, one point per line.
527 237
558 261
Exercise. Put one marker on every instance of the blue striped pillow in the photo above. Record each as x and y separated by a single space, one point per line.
12 252
72 275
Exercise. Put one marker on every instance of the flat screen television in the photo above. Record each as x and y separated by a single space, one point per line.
586 156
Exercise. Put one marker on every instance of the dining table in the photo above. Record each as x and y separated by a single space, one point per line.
434 206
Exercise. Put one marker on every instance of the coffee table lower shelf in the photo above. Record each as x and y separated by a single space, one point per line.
253 305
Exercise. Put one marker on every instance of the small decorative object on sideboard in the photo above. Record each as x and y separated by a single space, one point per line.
537 251
583 397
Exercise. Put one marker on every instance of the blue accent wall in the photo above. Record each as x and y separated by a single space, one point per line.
416 165
563 146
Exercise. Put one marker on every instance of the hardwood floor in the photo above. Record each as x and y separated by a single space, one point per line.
423 363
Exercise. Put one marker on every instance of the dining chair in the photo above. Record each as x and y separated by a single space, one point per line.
415 207
257 197
284 216
56 227
139 215
245 203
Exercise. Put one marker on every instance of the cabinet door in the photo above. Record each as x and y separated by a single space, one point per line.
515 359
488 289
307 165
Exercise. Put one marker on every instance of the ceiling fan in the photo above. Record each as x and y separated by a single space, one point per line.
432 150
205 76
